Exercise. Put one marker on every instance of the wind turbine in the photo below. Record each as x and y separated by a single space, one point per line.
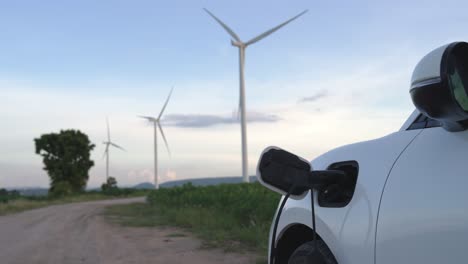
157 124
237 42
109 143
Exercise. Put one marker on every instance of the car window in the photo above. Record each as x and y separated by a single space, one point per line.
424 122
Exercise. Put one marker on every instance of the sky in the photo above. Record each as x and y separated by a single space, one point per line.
337 75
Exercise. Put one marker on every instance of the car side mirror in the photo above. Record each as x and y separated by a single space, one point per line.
278 170
439 85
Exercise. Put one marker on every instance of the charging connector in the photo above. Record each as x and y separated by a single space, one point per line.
300 181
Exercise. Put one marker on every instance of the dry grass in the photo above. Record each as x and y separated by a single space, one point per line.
29 203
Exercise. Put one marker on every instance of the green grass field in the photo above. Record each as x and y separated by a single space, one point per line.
27 203
233 216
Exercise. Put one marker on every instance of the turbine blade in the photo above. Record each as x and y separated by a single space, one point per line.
164 138
165 104
228 30
105 151
108 129
149 118
263 35
117 146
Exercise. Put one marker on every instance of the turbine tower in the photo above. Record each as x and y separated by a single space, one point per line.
237 42
157 124
109 143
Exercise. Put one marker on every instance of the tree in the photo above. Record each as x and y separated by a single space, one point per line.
61 189
3 196
109 185
66 156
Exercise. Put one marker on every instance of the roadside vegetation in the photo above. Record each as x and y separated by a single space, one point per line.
13 204
231 216
67 160
6 195
66 157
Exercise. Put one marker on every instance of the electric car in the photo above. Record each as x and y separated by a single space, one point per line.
402 198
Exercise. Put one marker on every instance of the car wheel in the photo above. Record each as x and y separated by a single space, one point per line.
307 253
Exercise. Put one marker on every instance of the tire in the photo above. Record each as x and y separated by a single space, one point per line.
308 254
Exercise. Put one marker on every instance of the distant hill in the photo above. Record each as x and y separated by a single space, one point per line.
38 191
196 182
34 191
144 186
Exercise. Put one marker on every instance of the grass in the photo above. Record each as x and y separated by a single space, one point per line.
20 205
28 203
236 216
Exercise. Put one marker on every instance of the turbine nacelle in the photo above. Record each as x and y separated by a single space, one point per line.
238 44
150 118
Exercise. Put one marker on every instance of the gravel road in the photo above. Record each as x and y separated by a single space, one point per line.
78 233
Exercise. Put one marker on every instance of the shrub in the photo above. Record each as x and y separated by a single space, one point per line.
14 195
61 189
3 196
6 196
109 186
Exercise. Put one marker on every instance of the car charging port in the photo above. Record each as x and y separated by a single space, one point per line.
340 194
292 176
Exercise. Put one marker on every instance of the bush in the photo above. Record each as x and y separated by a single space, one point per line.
6 196
111 183
14 195
120 192
61 189
110 186
3 196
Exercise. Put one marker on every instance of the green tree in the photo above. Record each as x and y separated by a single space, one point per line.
109 185
61 189
3 196
66 157
110 188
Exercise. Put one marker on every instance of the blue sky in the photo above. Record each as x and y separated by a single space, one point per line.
69 64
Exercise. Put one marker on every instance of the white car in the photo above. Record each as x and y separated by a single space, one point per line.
402 198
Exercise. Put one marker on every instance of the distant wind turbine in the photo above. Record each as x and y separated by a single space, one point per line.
109 143
237 42
156 125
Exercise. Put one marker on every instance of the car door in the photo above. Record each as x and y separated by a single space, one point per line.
423 216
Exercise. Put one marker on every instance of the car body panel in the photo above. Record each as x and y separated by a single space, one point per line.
350 231
424 210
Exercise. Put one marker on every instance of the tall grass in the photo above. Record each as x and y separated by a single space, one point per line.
225 215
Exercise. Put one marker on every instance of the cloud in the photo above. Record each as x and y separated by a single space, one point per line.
202 120
170 175
315 97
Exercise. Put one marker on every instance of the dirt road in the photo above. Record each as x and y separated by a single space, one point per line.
78 233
